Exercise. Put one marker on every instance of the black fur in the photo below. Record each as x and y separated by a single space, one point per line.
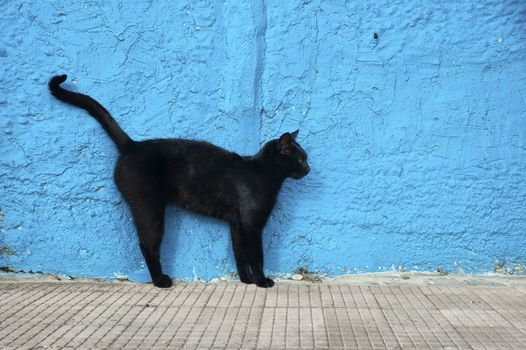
201 177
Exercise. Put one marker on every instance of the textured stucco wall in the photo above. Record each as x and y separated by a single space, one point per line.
416 138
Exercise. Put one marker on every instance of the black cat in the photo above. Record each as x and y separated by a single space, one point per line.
201 177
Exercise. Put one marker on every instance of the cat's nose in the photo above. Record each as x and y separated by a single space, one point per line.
307 169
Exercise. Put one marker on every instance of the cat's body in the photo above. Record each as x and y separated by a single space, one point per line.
200 177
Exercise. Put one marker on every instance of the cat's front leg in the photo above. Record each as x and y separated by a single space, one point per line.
253 243
243 267
246 277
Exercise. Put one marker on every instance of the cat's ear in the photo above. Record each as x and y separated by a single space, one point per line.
284 144
294 134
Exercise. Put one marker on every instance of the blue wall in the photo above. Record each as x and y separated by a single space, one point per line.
416 139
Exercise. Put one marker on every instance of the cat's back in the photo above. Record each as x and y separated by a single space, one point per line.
186 157
189 150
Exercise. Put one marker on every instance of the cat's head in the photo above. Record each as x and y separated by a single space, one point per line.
292 158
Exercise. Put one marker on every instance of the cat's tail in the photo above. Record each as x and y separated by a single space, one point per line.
121 139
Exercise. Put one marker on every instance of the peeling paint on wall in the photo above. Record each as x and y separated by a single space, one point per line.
412 114
6 251
509 267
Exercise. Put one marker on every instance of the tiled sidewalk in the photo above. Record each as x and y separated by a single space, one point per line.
292 315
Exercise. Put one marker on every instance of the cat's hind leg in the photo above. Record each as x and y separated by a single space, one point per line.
140 188
149 221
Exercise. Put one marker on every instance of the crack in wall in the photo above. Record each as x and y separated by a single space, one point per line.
259 14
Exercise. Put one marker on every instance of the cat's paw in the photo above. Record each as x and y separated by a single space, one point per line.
265 283
163 282
246 278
